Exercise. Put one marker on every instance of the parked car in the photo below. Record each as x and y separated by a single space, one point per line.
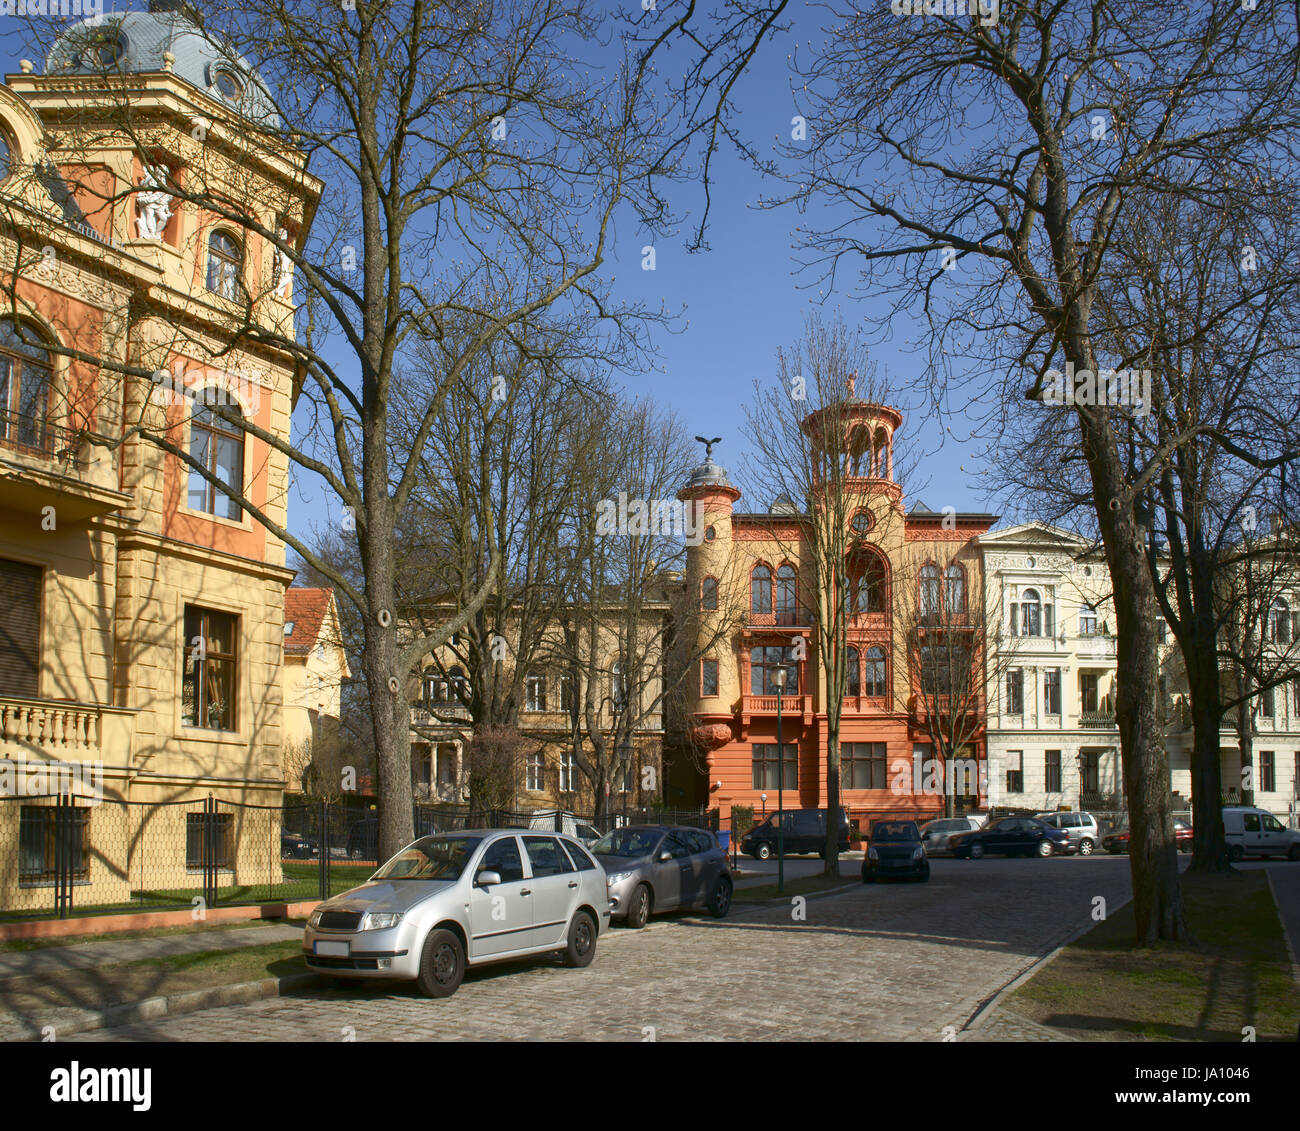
363 839
937 833
658 867
1010 836
896 849
453 900
804 832
1116 842
572 825
293 846
1082 829
1256 832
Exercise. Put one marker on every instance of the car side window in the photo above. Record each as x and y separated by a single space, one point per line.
502 856
1272 824
546 857
581 860
675 847
1251 822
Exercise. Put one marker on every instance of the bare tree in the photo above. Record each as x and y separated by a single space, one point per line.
977 168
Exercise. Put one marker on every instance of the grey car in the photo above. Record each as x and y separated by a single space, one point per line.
935 834
462 899
1081 828
659 867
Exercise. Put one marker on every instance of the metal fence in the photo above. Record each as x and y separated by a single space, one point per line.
61 855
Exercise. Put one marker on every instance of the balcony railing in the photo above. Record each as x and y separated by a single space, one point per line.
780 618
36 436
1097 719
55 727
433 714
766 704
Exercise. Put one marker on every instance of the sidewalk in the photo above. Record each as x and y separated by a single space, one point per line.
60 990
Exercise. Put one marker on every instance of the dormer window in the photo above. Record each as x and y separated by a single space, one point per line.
227 84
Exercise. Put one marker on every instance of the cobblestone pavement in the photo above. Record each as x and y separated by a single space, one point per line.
878 962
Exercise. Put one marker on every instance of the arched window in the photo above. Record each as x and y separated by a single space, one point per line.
954 590
6 154
25 378
1031 613
869 579
786 595
1279 622
225 266
853 682
459 684
875 672
218 445
709 593
929 592
760 589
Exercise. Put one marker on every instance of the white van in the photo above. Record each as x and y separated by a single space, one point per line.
1256 832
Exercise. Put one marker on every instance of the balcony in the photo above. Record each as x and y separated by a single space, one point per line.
65 731
792 707
1096 720
781 618
43 464
1096 646
438 714
864 704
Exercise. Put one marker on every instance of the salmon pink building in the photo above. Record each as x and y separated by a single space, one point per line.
751 577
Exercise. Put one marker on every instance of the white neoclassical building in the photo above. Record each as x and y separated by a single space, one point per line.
1052 738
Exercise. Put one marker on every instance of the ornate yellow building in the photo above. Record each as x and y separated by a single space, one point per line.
142 608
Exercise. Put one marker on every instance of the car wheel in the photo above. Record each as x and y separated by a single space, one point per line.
763 852
442 965
720 900
1235 853
638 908
976 851
1294 854
868 876
1085 847
582 940
1044 848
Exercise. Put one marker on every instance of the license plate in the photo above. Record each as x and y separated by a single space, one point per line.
332 949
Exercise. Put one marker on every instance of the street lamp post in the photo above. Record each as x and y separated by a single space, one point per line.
778 678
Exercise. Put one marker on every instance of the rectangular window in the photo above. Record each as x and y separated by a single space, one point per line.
1052 691
533 772
708 677
863 765
1088 692
1015 692
1267 703
535 693
764 663
1267 771
1052 771
1090 769
566 694
20 629
209 841
1015 771
765 765
43 839
568 773
208 684
218 446
1087 621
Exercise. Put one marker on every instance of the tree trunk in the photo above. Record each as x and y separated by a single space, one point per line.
1208 846
831 866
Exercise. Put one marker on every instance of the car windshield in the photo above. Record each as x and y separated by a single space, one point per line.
627 842
886 831
431 858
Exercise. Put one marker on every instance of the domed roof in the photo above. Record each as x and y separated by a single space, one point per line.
135 42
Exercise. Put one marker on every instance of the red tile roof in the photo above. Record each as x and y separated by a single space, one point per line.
305 609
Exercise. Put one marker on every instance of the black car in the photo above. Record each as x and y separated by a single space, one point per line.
363 839
296 847
1011 836
804 831
895 849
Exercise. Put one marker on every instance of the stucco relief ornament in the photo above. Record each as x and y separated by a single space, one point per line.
710 736
155 205
282 270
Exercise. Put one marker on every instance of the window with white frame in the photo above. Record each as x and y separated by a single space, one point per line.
568 773
533 772
535 693
1087 620
1015 771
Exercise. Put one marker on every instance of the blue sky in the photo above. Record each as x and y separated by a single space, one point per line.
741 301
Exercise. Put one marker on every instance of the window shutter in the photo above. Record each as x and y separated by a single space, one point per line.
20 628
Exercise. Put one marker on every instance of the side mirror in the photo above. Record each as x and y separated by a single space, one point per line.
486 879
665 856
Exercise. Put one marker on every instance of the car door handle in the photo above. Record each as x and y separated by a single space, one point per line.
526 891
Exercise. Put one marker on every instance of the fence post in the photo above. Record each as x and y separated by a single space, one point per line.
63 854
323 840
210 852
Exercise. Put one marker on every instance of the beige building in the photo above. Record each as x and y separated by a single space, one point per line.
142 609
315 667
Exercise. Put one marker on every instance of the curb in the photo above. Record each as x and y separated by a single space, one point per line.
989 1005
783 900
150 1009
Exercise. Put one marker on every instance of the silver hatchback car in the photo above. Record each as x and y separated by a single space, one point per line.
462 899
1081 828
660 867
